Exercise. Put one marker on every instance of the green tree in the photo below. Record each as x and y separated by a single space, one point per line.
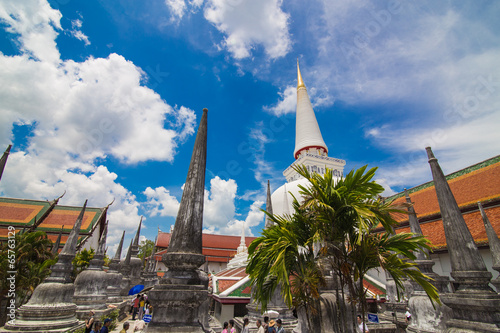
81 261
146 248
33 258
334 225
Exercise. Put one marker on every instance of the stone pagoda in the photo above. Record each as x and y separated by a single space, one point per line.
178 297
51 307
91 284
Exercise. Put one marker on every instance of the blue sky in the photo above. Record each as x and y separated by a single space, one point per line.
102 99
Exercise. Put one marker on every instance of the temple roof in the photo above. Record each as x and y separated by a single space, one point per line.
49 217
216 248
231 283
478 182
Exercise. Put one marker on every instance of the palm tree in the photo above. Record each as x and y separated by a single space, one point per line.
335 224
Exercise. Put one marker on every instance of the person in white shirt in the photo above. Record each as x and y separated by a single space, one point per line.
362 326
260 328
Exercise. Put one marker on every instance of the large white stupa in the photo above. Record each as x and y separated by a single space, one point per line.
310 150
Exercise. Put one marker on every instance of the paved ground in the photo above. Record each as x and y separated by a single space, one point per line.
119 326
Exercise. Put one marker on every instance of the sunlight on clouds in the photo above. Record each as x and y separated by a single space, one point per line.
35 23
81 112
161 202
247 24
286 104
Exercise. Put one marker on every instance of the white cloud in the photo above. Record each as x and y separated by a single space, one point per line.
286 104
254 218
219 207
219 212
77 33
245 24
36 23
248 24
177 9
79 113
161 202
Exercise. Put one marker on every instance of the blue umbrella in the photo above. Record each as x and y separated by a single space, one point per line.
136 289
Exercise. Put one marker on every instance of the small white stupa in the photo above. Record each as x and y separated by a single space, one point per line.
241 257
310 150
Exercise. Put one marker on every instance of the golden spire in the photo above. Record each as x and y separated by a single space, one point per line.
300 83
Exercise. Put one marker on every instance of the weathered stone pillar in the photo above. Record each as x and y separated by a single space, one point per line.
494 246
51 307
125 270
476 307
183 289
114 276
424 317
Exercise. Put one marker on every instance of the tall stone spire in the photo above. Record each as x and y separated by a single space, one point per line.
101 248
138 233
129 255
475 305
3 160
307 132
461 246
415 226
186 237
494 243
55 248
118 252
61 271
114 276
183 290
269 206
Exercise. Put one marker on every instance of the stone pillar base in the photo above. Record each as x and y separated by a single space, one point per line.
44 318
424 317
176 308
473 312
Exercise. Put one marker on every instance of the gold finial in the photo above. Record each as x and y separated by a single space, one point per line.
300 82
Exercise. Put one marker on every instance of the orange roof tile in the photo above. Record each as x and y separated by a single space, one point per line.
479 182
216 248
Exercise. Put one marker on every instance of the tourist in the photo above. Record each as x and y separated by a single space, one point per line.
97 328
126 326
89 322
139 325
141 307
270 327
225 329
105 326
232 329
245 328
279 328
361 325
135 306
260 328
266 324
